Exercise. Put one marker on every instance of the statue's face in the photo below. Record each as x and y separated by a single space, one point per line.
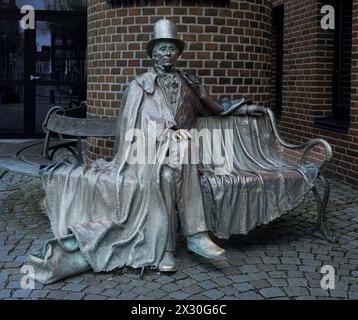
165 54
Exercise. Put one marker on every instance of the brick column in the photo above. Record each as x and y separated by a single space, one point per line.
228 46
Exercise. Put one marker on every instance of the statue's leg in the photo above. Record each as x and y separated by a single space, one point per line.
190 202
168 181
320 228
192 217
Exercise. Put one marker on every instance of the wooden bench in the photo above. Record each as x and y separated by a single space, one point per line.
26 158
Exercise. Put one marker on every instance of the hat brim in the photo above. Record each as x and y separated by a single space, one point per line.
179 43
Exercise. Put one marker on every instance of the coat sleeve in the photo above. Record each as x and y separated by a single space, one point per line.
208 106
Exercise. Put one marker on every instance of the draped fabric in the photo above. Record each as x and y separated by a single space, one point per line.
257 185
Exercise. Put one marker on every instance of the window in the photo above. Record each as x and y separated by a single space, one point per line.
341 85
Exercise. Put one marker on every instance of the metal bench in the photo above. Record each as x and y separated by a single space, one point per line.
64 128
27 158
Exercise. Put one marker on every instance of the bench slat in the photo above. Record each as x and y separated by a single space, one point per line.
82 127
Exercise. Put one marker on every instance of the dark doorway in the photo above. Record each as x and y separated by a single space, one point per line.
39 68
277 31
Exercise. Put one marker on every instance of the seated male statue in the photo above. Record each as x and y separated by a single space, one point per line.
125 214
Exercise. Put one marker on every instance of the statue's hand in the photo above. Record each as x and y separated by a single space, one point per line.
255 110
251 110
181 134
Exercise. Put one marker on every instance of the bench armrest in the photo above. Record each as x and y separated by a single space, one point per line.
305 146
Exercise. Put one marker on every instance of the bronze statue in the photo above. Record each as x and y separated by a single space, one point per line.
117 214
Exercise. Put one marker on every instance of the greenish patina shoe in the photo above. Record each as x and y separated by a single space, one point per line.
202 245
167 264
59 259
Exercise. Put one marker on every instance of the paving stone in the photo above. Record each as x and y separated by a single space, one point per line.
56 295
193 289
272 260
307 268
260 284
297 282
250 295
277 282
353 295
294 261
244 286
318 292
208 284
91 296
179 295
337 293
75 287
94 290
248 269
214 294
272 292
296 291
165 279
21 293
239 278
14 285
171 287
200 276
158 294
39 294
258 275
5 294
223 281
277 274
74 296
127 296
198 297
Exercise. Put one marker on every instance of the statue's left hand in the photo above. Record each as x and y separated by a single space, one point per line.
251 110
255 110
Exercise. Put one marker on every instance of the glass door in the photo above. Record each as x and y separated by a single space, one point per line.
59 71
12 89
42 67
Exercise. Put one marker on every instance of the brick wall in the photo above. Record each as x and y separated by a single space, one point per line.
307 84
228 46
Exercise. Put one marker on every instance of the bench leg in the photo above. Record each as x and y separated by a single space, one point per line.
320 228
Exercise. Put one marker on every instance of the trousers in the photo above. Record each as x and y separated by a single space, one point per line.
183 200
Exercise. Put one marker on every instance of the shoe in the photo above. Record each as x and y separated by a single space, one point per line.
168 263
59 259
202 245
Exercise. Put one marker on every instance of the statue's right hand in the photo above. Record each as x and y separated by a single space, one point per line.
181 134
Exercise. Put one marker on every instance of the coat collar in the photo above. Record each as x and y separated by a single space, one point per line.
147 80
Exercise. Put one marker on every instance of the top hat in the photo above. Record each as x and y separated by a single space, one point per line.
165 30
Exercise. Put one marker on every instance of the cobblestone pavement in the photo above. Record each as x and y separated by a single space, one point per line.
277 261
